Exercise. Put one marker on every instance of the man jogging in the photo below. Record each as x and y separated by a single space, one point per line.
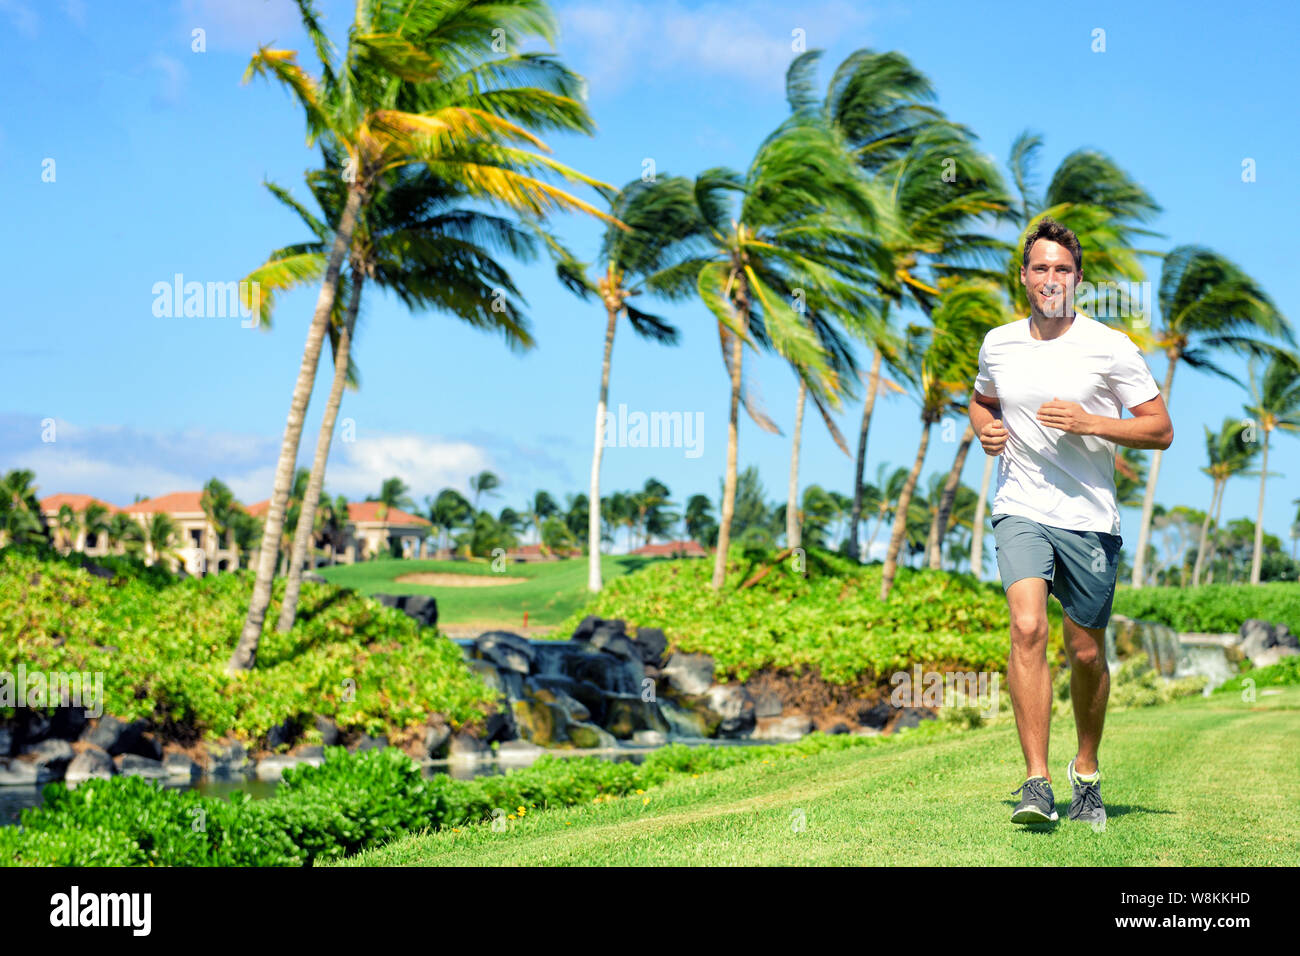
1049 399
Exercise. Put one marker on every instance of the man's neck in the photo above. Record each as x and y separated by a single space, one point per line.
1045 327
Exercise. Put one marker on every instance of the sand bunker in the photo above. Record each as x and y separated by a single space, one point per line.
442 580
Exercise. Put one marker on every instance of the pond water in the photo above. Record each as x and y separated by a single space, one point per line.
13 800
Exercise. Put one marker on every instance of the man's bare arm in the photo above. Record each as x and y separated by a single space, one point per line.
1149 427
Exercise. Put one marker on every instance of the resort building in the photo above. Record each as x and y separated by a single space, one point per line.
371 531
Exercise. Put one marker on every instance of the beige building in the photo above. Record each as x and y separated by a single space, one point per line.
199 550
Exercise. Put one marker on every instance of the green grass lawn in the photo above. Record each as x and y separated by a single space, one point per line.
1199 782
553 591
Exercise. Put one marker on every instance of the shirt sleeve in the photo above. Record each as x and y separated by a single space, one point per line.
983 380
1129 379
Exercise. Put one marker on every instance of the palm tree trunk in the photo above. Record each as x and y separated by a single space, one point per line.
1149 499
1214 535
977 532
729 482
856 515
594 583
900 516
1258 557
880 522
793 527
1205 532
307 519
245 654
939 526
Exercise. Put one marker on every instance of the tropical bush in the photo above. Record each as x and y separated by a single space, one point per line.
1213 608
162 645
832 619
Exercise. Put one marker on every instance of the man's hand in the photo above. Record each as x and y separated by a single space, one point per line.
993 437
1067 416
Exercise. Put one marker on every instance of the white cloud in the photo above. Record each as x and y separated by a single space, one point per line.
427 465
240 26
632 39
116 462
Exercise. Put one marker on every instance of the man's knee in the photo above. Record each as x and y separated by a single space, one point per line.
1028 629
1084 651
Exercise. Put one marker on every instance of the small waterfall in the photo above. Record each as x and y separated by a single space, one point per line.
1167 650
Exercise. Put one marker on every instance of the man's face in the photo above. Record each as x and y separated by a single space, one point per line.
1050 279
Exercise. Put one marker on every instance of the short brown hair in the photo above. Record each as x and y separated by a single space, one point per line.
1051 230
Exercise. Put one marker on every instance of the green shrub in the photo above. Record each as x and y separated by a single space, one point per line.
1285 673
832 619
1213 608
163 649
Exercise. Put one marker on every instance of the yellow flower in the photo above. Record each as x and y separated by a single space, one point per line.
568 823
645 801
640 791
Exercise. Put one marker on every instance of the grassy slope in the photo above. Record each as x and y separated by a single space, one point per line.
1204 781
554 590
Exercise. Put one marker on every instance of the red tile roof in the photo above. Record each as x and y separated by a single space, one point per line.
77 503
668 549
357 511
368 511
176 502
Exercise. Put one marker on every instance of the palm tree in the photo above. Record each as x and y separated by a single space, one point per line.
334 524
403 94
1207 304
882 498
877 106
660 220
484 483
125 531
649 506
448 512
982 308
794 221
1295 528
542 507
160 537
937 361
698 518
20 512
1229 454
94 520
414 242
219 505
394 494
1276 406
69 528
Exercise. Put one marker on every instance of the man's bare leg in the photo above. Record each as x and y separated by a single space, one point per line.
1089 688
1028 676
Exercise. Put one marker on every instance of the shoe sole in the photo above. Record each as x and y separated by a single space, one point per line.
1033 815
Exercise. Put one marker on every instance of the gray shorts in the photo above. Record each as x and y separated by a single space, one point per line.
1080 567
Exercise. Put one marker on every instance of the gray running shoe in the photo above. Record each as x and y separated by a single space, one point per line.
1038 805
1085 804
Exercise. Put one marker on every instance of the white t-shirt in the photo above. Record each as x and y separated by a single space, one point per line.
1044 473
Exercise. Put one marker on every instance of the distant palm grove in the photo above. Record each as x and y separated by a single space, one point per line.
870 244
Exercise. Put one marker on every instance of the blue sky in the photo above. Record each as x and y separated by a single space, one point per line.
159 152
